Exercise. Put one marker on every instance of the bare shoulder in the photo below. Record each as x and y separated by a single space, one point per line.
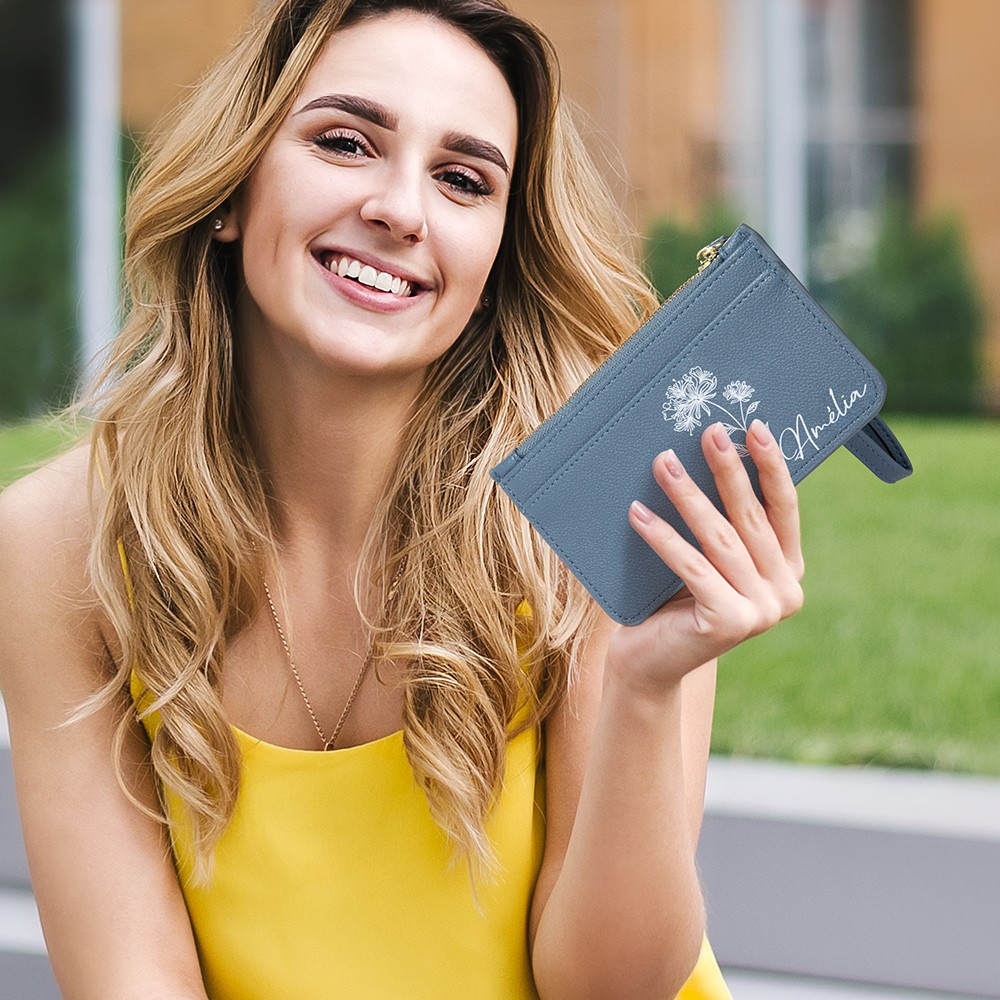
45 533
45 527
52 492
51 496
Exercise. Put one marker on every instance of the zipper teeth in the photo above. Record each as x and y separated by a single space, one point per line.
677 291
707 255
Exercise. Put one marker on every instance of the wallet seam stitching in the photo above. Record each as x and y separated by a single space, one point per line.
892 446
640 397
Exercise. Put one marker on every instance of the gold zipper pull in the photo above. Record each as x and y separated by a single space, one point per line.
705 257
708 253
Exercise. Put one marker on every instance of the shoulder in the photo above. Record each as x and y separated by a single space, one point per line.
49 495
46 522
46 526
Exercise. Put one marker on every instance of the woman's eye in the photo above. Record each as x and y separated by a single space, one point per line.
344 142
465 182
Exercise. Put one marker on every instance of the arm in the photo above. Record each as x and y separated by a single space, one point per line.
617 909
114 918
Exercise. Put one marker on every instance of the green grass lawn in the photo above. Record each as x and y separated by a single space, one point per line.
24 446
895 659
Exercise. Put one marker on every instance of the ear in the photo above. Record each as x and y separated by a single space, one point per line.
224 224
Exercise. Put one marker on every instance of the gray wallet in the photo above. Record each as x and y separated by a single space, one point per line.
741 340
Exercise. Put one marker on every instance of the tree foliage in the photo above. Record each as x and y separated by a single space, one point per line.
914 310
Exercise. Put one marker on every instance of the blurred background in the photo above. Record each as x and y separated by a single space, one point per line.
860 137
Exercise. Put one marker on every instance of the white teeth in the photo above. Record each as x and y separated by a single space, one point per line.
365 274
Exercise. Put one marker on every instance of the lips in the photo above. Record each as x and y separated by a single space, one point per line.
367 274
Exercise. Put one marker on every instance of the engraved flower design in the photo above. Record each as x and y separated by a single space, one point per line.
693 395
688 398
738 392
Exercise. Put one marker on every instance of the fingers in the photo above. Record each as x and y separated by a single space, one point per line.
756 553
770 529
701 578
716 616
781 502
719 540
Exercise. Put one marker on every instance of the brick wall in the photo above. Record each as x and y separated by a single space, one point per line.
166 46
647 75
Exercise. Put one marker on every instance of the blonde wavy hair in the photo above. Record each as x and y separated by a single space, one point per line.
182 493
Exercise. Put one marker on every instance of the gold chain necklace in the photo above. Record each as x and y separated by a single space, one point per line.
328 744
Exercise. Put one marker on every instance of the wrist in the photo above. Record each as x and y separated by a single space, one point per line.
635 692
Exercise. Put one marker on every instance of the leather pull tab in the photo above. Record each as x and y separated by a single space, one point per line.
878 448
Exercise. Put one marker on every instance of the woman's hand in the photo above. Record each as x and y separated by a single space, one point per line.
744 581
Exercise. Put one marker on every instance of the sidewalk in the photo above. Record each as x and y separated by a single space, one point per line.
756 986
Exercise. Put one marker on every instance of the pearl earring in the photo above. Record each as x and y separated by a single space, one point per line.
218 225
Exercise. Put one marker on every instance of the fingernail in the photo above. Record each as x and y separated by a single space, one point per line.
721 438
641 512
761 432
673 464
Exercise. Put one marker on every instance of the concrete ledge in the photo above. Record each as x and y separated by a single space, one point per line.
760 986
921 802
20 928
13 864
870 876
26 977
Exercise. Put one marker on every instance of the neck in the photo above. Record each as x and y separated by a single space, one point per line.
327 443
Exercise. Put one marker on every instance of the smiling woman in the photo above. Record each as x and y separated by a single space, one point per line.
276 652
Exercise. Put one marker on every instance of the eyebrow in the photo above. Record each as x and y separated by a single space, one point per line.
360 107
378 114
458 142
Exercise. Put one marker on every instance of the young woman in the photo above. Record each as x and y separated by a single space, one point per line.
299 704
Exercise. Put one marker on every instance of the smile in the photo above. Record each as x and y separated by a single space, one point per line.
365 274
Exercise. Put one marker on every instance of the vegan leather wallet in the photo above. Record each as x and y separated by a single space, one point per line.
741 340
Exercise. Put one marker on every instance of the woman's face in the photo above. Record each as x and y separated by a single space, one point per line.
370 225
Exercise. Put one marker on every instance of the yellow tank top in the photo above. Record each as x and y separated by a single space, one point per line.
333 880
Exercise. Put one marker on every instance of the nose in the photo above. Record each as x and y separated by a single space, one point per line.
397 203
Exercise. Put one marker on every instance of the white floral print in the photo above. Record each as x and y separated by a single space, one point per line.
738 392
693 396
